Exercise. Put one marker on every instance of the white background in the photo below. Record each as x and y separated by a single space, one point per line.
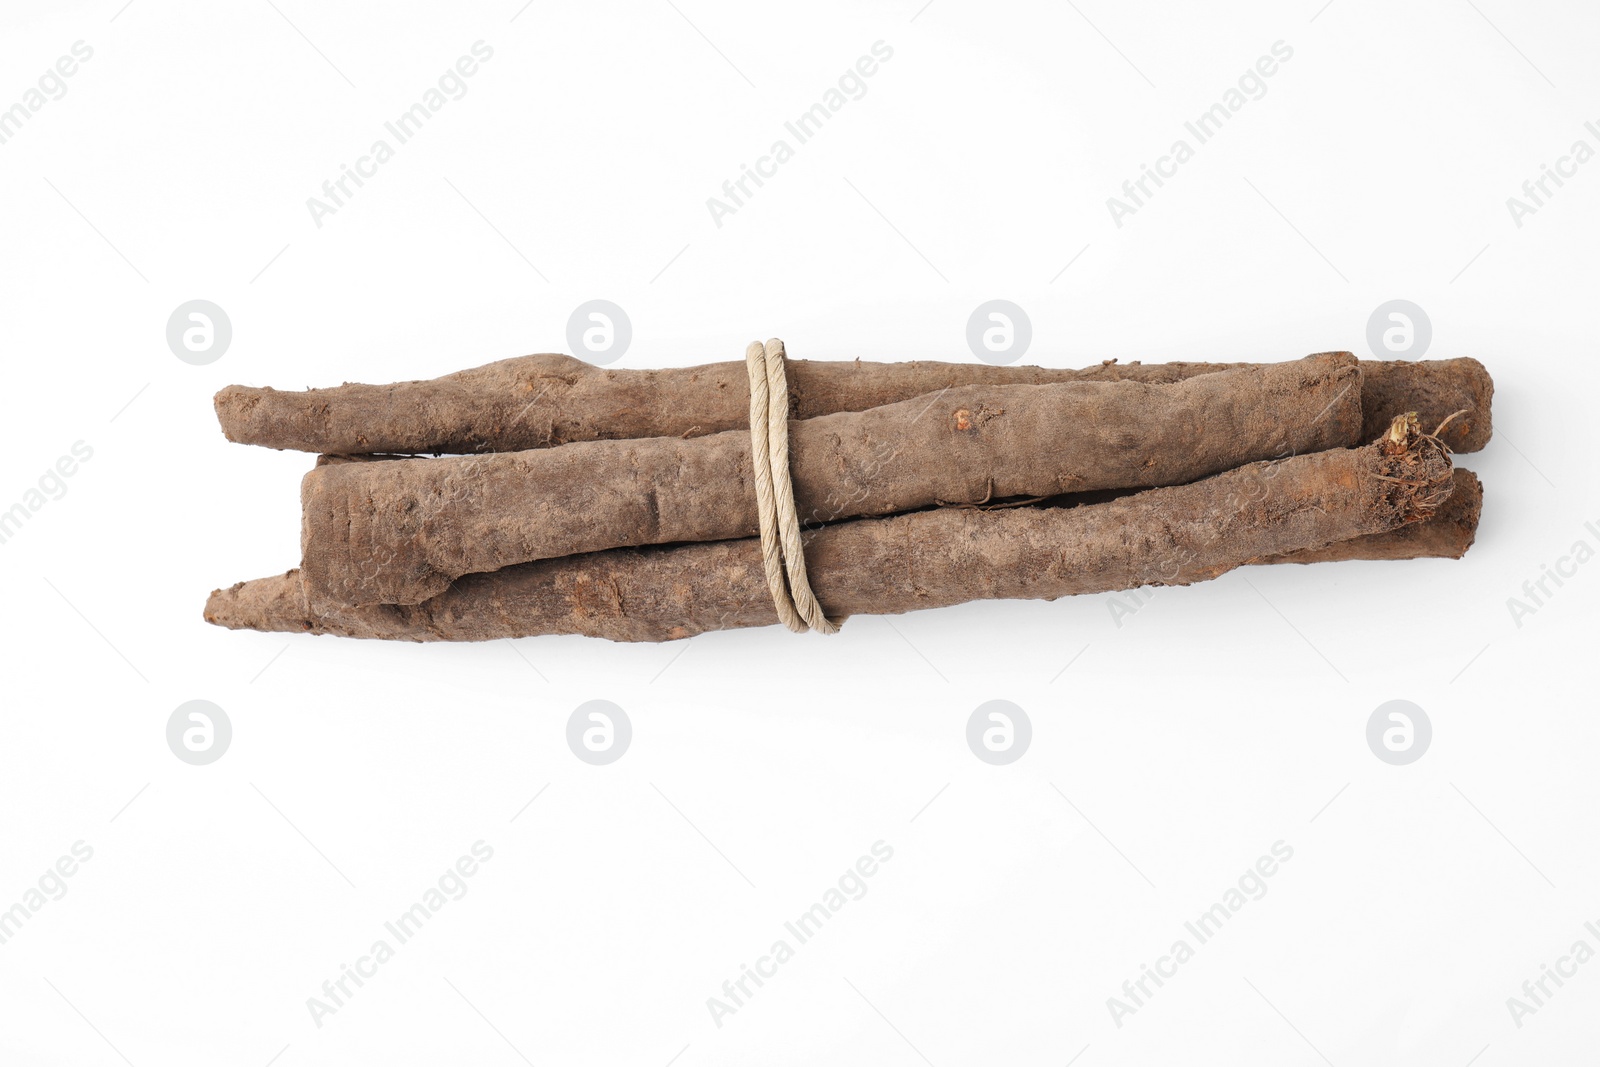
1172 752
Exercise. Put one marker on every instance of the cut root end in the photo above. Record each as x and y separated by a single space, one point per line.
1418 468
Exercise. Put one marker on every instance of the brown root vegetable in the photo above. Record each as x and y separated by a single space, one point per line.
1168 536
400 532
1435 389
1447 534
540 401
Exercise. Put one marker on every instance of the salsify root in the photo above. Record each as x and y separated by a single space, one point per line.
1167 536
1446 534
400 532
544 400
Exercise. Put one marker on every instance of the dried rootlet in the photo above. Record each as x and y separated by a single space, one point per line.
400 531
539 401
1166 536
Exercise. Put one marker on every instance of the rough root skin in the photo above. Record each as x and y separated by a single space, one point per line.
544 400
1446 534
1167 536
399 532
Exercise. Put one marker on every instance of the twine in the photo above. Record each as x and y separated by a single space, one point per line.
782 553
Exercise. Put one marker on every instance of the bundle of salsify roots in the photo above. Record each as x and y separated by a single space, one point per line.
544 495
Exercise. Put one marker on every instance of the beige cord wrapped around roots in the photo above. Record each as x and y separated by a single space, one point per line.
782 552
